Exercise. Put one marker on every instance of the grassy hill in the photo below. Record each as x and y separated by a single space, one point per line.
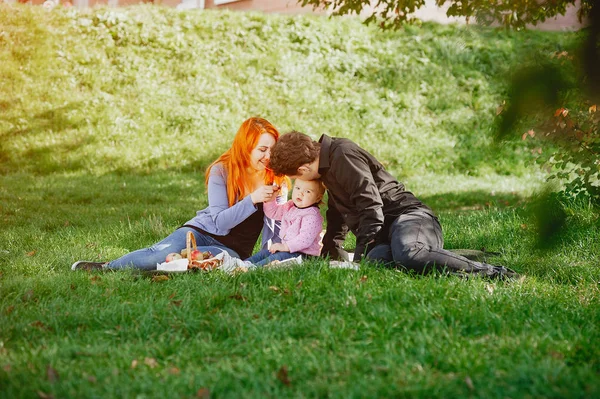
150 88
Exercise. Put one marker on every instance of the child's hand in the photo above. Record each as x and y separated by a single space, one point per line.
279 247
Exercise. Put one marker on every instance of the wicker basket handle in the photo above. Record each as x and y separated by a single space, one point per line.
190 244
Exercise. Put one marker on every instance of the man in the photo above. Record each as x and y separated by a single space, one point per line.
390 224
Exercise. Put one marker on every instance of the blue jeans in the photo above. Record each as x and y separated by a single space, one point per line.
147 258
264 257
416 243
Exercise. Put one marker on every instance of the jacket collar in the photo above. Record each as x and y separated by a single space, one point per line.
325 142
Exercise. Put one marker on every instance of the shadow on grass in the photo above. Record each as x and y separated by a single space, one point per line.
477 200
25 197
71 136
56 119
43 159
53 202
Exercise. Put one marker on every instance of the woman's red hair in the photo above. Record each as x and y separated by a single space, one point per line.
236 160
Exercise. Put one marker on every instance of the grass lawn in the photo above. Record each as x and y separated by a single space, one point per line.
108 119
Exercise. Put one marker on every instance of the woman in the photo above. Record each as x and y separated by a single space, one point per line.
238 183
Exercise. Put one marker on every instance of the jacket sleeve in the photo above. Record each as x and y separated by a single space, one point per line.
335 234
276 211
354 175
311 225
225 217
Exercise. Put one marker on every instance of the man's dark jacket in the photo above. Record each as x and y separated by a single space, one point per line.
363 197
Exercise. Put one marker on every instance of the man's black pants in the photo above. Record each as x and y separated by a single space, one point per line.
416 243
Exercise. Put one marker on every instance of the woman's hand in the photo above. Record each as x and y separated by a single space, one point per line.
279 247
264 194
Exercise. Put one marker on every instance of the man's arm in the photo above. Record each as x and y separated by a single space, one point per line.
335 235
354 175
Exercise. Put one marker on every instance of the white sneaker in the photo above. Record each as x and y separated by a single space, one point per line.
285 263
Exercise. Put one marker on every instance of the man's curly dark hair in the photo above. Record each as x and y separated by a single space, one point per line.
291 151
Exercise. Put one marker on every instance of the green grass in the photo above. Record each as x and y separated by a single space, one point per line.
339 333
107 121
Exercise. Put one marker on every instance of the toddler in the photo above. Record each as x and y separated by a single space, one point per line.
301 225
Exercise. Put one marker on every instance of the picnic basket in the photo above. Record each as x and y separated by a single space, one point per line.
206 262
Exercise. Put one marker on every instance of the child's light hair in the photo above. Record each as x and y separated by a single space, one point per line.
321 187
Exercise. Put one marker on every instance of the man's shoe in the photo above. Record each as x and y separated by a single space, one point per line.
85 265
504 273
510 274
